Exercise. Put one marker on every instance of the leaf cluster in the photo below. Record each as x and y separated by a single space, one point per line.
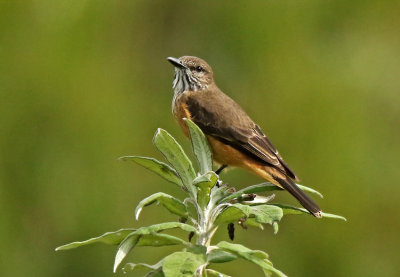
209 204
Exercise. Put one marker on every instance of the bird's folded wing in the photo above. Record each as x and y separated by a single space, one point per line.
239 131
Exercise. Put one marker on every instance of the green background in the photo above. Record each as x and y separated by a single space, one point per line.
84 82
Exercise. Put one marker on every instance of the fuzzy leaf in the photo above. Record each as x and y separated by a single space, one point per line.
287 209
261 213
220 193
267 213
257 257
137 238
275 225
204 184
202 178
292 210
220 256
328 215
213 273
155 273
113 238
200 146
132 266
159 240
251 189
252 222
258 199
197 249
161 169
180 264
175 155
263 187
163 226
233 213
311 190
171 203
125 247
146 236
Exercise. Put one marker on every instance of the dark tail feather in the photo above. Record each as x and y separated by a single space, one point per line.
303 198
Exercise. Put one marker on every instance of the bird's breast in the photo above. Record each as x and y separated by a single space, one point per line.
181 111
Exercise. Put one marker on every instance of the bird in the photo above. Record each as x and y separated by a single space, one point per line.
235 139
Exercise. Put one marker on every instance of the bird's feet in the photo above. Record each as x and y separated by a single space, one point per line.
219 170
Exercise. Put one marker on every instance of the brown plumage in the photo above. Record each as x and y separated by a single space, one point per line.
234 138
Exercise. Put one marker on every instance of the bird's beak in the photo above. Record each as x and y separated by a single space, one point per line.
176 62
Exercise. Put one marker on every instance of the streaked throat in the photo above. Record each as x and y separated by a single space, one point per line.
184 81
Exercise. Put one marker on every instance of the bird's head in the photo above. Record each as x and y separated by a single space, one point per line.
191 74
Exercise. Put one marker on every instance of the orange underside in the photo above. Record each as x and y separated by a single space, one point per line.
226 154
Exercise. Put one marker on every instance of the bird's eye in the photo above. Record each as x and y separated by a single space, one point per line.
199 69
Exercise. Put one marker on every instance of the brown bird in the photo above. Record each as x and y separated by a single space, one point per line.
234 138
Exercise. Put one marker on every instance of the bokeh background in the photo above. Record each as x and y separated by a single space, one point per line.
83 82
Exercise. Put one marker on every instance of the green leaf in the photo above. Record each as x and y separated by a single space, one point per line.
292 210
197 249
327 215
124 248
261 213
267 273
147 236
240 248
156 273
175 155
275 225
251 189
137 238
182 264
204 184
113 238
200 147
304 188
233 247
220 193
161 169
233 213
257 257
287 209
220 256
252 222
214 273
267 213
163 226
159 240
257 200
263 187
171 203
202 178
132 266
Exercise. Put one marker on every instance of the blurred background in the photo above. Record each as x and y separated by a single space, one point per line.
83 82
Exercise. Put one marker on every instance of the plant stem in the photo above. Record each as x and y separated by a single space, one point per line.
206 222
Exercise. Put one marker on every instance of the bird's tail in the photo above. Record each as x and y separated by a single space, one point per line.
303 198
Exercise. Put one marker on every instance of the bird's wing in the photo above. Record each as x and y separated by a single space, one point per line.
222 118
